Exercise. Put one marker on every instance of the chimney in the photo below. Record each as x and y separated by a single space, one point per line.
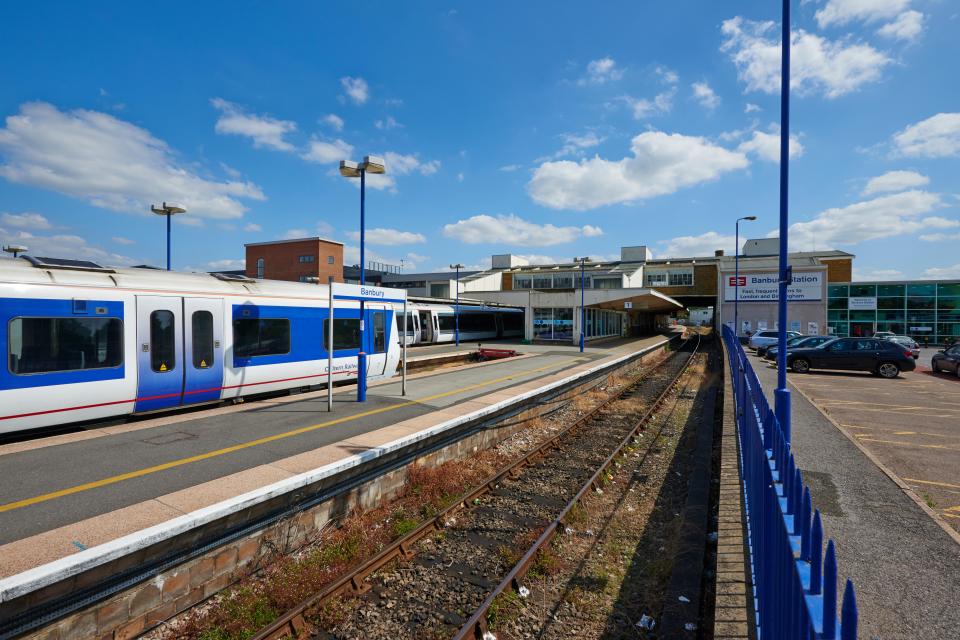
718 253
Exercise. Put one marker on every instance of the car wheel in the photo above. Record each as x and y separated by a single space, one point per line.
888 370
957 370
800 365
935 368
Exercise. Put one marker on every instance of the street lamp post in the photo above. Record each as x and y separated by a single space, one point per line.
456 313
782 394
583 312
169 211
736 278
15 249
350 169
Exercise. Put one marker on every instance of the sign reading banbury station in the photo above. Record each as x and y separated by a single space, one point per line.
764 287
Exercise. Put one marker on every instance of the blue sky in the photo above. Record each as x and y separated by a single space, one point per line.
544 129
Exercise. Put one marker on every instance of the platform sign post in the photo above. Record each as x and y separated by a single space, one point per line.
363 294
403 371
330 346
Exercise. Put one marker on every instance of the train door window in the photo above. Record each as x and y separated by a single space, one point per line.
260 337
447 322
346 333
202 335
163 341
48 345
379 332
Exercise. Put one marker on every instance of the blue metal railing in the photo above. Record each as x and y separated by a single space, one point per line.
794 581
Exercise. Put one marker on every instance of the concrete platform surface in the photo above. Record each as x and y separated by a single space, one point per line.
905 566
77 490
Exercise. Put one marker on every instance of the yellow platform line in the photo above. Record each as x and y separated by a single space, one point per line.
936 484
910 444
139 473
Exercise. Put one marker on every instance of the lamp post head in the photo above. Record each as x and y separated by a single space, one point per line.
457 266
167 209
373 164
349 169
748 218
15 249
582 260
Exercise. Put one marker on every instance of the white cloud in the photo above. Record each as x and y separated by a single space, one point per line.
876 274
895 181
666 75
326 152
601 71
706 96
265 131
943 273
883 217
841 12
514 231
32 221
702 245
537 258
818 65
767 146
511 167
661 164
907 26
399 164
110 163
335 121
387 123
388 236
574 144
122 240
292 234
750 108
357 89
460 177
69 246
936 137
252 227
227 264
643 108
940 237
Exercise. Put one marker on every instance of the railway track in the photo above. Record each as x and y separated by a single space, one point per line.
442 579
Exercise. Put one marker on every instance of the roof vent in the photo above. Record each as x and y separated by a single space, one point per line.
232 277
64 263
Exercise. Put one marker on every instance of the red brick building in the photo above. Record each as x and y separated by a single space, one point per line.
297 260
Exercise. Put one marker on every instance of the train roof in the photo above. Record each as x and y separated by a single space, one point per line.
51 271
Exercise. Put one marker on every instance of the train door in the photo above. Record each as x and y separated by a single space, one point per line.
377 361
426 327
203 349
159 352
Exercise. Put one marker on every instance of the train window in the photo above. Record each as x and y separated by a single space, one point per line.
48 345
379 332
410 326
163 341
447 322
346 333
202 334
260 337
512 321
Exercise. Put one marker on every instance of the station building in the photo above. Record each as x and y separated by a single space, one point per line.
300 260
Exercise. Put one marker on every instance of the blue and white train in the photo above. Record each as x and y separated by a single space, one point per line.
431 323
84 342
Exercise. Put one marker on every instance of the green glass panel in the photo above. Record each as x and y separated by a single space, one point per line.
837 316
921 302
891 316
891 303
951 329
890 290
948 289
948 316
916 289
948 304
863 290
865 316
897 327
837 303
837 291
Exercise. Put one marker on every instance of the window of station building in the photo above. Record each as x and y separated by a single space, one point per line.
304 259
522 282
260 267
863 290
837 291
891 290
49 345
607 283
330 260
563 281
681 279
948 289
260 337
891 315
346 333
543 281
163 341
891 303
553 324
439 290
863 316
201 326
921 302
837 303
656 279
837 316
917 289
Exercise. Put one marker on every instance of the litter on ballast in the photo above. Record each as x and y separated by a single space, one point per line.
690 626
488 635
568 530
523 591
646 622
713 537
683 599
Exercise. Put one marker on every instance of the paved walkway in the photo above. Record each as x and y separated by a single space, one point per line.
905 567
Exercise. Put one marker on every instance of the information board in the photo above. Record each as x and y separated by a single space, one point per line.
764 287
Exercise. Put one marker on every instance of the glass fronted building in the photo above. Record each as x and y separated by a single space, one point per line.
926 310
557 323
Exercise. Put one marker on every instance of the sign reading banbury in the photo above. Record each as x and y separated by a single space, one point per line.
764 287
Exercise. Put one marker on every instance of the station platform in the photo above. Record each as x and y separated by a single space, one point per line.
78 490
904 563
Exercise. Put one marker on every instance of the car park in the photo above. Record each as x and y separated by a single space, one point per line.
884 334
909 343
767 338
803 342
881 357
947 360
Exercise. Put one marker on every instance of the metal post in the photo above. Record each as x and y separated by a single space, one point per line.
168 241
361 355
736 285
583 312
782 394
456 315
403 374
330 346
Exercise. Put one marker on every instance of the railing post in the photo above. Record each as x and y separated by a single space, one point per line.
848 613
830 593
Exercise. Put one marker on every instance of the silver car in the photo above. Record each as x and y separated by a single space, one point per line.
767 338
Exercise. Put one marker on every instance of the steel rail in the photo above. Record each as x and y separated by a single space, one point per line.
293 622
477 624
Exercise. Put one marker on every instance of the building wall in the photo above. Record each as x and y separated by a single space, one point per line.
800 313
927 311
704 281
281 261
840 270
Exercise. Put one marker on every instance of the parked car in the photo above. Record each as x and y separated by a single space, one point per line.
763 349
766 338
884 334
803 342
947 360
885 358
909 343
